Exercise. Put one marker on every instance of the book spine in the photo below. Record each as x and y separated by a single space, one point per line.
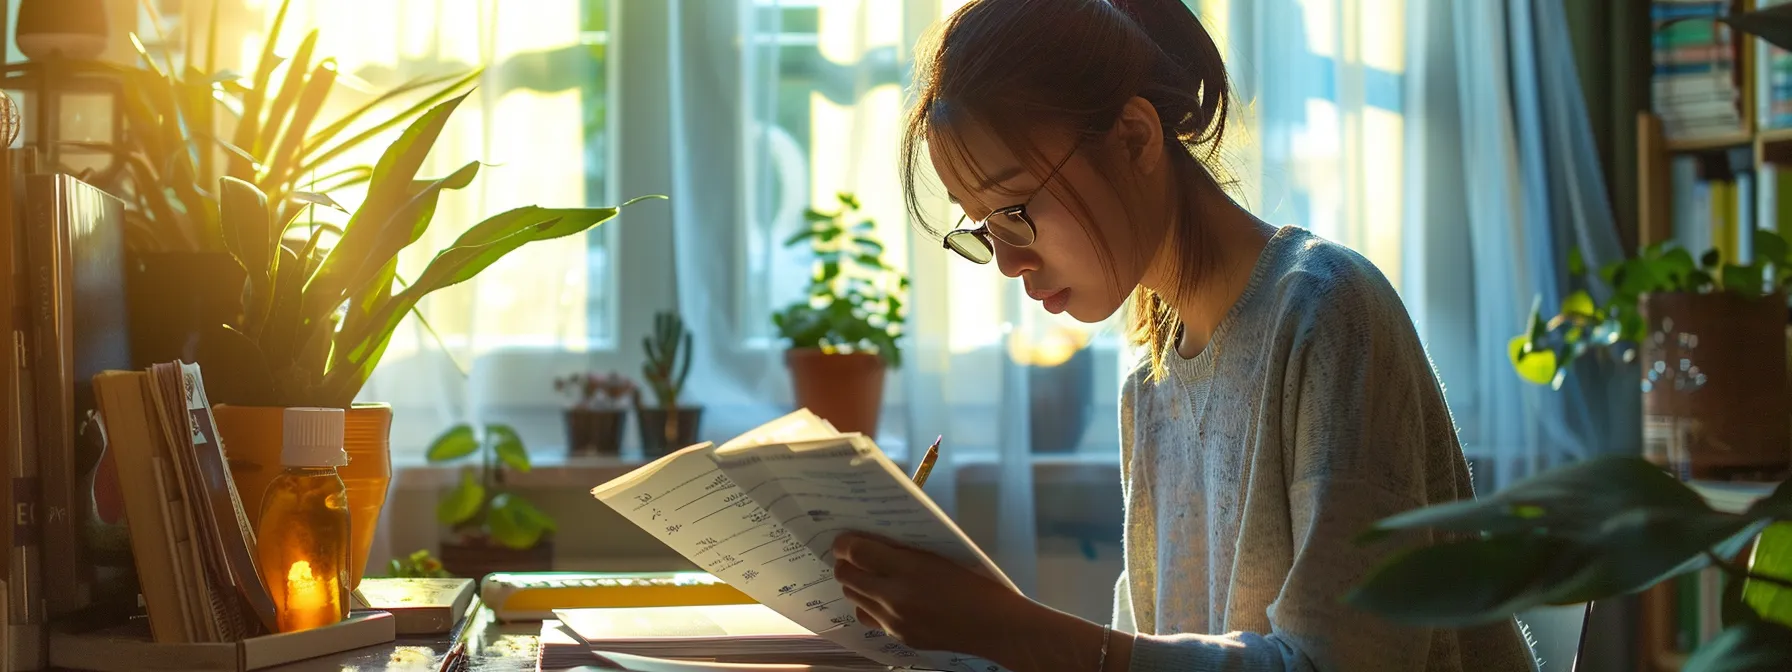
25 634
47 255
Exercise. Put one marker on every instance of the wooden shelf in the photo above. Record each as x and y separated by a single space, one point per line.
1774 135
1725 141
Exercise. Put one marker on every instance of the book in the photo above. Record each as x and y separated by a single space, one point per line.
191 540
761 512
726 633
129 648
419 606
622 662
533 596
74 246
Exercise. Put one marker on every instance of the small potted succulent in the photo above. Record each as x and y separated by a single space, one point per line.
672 424
496 530
598 410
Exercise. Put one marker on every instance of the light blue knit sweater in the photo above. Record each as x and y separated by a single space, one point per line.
1312 413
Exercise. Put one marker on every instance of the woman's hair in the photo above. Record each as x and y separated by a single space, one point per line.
1025 68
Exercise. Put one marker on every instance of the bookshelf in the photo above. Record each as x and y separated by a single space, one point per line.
1699 175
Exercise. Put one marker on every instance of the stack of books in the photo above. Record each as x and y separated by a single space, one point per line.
730 633
1698 74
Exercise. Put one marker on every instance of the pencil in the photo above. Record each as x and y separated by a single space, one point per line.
933 453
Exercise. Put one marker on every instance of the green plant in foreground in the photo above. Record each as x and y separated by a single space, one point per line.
318 318
479 505
280 140
1544 353
855 299
419 565
1592 530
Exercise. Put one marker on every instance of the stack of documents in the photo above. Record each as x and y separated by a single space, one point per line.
730 633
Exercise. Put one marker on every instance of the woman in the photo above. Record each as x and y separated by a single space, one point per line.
1286 403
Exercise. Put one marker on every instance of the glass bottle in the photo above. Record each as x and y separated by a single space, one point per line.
302 549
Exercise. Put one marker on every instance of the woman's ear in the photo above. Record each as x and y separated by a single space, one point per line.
1140 135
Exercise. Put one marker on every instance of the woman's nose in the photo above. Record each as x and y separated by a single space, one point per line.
1013 261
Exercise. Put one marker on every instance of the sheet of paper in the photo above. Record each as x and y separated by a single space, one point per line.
700 513
818 490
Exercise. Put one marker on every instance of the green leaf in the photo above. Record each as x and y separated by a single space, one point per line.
1773 558
829 271
1537 366
801 236
1770 247
1743 279
1579 303
813 215
1576 265
1457 584
509 446
1711 259
870 261
462 503
516 523
871 244
456 443
1750 646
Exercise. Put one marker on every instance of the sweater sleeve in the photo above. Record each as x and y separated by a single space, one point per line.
1352 433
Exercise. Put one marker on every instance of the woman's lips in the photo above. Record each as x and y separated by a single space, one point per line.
1054 300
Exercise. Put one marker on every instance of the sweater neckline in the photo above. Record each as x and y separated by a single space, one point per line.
1267 260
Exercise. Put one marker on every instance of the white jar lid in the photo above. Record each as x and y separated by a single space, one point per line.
313 437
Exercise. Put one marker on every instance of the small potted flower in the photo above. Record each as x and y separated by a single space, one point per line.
598 410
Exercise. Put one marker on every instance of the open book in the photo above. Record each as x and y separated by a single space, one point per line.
762 511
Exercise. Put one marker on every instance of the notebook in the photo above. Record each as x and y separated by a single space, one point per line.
761 512
728 633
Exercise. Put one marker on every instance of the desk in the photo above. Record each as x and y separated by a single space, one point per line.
491 647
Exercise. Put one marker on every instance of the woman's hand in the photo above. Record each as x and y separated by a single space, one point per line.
928 602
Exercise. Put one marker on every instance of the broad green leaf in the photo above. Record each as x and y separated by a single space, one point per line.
516 523
249 230
1457 584
456 443
829 271
1537 366
1743 279
1772 557
812 215
509 446
1750 646
316 198
318 159
1711 259
1770 246
1579 303
389 190
870 244
799 237
461 503
870 261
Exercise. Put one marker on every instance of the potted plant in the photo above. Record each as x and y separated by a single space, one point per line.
189 125
845 333
670 425
419 565
496 530
1705 331
321 306
597 413
1060 380
1592 530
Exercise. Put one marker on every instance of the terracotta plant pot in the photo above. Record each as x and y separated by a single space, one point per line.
594 431
476 557
1714 397
846 390
173 295
652 423
252 441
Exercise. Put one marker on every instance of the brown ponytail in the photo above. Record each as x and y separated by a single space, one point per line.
1019 66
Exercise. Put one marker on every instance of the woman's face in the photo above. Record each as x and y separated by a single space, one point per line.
1063 267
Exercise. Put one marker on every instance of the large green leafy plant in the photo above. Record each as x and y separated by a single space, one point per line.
854 301
316 322
1544 353
1590 531
479 505
280 142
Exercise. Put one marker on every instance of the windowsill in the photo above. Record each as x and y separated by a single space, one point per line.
558 470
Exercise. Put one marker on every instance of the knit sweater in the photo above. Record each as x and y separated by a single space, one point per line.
1312 413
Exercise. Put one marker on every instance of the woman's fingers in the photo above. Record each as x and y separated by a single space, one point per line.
875 555
866 605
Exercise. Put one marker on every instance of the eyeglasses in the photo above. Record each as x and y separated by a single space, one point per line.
1011 225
